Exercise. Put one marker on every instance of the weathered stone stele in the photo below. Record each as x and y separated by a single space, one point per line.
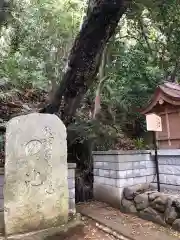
36 188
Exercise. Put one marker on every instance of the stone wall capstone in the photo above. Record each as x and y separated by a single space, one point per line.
36 187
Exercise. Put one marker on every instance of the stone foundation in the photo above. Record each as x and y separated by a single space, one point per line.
144 201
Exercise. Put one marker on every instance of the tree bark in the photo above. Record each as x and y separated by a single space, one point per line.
4 11
85 56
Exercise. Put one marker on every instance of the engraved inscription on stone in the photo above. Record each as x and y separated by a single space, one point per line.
34 178
50 189
32 147
47 132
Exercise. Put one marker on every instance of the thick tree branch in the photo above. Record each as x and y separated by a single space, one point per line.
141 25
84 58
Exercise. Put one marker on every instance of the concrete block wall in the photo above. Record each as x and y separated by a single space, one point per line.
114 170
71 186
169 169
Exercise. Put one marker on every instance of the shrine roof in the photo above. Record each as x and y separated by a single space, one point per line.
168 93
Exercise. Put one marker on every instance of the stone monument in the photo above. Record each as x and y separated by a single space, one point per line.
36 187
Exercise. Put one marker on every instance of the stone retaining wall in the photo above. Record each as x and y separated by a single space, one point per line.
151 205
114 170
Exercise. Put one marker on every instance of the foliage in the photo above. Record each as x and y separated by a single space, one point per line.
144 52
39 38
140 144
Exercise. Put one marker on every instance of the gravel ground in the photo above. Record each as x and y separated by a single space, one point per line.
136 225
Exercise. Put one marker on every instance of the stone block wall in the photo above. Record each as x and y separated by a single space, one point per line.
114 170
71 186
169 169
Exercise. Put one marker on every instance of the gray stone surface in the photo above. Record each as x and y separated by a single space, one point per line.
159 204
170 169
139 180
170 179
98 165
176 202
72 193
99 180
171 215
110 181
124 182
141 201
71 187
129 173
36 189
121 152
127 206
168 152
151 205
151 178
154 195
168 160
108 194
176 224
71 173
112 174
139 164
71 183
121 156
152 215
161 200
72 206
121 174
96 172
131 192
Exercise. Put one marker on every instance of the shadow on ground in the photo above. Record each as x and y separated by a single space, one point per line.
74 231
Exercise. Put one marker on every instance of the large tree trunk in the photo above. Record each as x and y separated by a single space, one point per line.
85 56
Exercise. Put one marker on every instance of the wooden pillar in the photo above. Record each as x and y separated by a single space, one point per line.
168 127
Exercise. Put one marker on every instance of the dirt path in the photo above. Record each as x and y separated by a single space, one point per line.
129 226
84 230
88 231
